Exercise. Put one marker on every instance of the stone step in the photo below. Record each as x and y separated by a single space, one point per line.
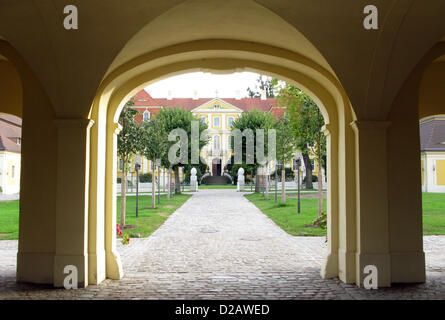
216 181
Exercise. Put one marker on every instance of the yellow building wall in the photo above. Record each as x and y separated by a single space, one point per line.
422 171
440 172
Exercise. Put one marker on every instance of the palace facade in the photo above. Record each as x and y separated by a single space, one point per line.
219 115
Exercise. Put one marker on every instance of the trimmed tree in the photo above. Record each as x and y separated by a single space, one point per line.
155 147
176 118
128 144
252 120
307 121
286 142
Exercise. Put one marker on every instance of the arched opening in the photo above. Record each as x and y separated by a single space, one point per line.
11 110
432 160
22 97
310 77
417 99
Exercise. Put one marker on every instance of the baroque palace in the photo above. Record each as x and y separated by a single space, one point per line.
218 114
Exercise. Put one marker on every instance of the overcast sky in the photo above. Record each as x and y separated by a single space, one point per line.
206 84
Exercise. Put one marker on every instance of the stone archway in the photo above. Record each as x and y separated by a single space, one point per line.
371 219
331 99
22 95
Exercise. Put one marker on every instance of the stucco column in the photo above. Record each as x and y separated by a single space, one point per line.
372 200
330 268
404 189
72 199
113 261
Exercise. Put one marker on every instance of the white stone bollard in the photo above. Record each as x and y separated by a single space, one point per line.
193 180
240 184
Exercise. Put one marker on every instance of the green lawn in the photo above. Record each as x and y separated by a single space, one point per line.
9 220
433 213
149 219
286 216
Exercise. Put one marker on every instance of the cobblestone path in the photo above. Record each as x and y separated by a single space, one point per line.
218 245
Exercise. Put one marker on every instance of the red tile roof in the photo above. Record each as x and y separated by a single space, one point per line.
277 111
10 132
143 99
432 134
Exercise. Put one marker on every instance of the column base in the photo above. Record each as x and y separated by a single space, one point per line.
96 267
80 261
114 266
330 268
408 267
381 261
35 267
346 266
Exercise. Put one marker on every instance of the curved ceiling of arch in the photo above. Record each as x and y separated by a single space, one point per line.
211 19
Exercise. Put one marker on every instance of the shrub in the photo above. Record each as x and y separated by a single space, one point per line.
314 179
289 174
146 177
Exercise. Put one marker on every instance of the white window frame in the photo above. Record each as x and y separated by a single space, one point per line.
216 148
219 122
146 112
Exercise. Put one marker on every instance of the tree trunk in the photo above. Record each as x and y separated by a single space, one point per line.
169 183
283 184
320 189
123 191
257 182
177 181
153 187
308 166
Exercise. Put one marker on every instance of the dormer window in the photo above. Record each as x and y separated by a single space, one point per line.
147 116
216 107
19 141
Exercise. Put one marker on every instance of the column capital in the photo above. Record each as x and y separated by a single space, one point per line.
326 129
74 123
115 127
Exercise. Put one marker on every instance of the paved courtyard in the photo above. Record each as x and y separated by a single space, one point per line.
220 246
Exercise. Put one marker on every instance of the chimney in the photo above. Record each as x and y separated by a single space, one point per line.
238 94
263 95
169 95
195 95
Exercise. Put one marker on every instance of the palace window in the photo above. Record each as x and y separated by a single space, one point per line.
230 121
229 142
203 120
216 143
216 122
146 116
